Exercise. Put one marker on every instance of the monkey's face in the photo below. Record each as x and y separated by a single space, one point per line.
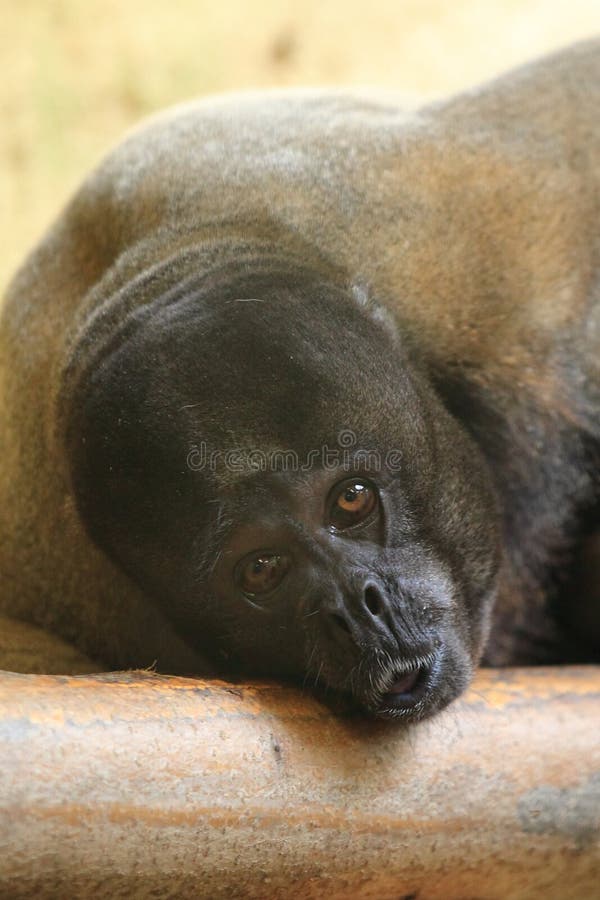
279 477
337 578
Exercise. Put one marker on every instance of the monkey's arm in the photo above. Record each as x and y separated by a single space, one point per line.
26 648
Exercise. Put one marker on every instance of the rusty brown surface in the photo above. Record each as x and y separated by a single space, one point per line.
136 785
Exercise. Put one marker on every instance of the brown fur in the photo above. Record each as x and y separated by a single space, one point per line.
475 221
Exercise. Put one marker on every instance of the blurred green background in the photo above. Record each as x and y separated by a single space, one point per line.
76 73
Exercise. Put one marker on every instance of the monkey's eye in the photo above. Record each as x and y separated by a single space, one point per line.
352 503
262 572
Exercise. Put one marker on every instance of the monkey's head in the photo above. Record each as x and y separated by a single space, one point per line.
264 457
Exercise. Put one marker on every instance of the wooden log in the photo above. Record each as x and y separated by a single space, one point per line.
133 785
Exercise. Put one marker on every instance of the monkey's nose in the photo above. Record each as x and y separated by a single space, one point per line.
361 612
373 600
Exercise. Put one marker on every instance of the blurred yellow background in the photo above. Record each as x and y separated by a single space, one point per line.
76 73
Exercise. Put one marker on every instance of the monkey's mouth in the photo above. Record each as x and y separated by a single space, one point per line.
403 692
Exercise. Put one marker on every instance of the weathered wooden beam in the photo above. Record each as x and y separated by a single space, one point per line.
135 785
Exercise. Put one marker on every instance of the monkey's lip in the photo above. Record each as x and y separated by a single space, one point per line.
405 690
405 683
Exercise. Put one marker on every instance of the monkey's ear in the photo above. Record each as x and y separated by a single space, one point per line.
360 291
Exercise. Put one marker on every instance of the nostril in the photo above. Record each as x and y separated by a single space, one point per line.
373 601
340 622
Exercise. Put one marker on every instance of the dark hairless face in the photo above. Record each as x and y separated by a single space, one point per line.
267 462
